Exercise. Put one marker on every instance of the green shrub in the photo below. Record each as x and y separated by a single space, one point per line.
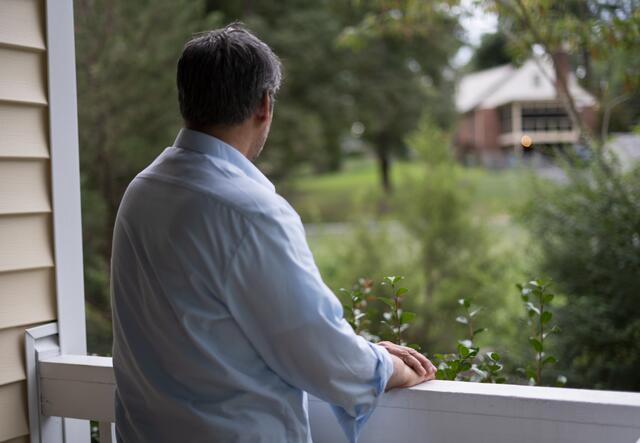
588 230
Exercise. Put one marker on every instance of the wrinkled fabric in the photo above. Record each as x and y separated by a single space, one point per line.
221 320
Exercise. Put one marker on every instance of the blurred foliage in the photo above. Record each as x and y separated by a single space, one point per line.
588 228
432 234
493 51
399 53
589 233
457 255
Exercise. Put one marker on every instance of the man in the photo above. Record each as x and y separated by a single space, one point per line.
221 320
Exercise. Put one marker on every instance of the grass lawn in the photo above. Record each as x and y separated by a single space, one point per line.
355 192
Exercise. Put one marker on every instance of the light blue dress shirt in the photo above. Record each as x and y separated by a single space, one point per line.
221 320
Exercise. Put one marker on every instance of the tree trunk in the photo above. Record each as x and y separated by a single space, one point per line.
384 163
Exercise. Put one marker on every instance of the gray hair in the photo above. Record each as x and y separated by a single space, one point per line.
223 76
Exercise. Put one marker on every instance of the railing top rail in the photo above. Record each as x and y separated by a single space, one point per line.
533 392
100 369
83 387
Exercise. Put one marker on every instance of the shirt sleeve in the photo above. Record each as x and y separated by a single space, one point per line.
274 291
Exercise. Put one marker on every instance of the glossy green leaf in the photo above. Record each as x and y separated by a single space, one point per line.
530 373
407 316
546 317
392 279
479 331
463 350
401 291
536 344
387 301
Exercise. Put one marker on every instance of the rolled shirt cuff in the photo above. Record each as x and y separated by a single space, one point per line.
352 426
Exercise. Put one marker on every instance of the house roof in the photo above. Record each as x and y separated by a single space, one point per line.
533 81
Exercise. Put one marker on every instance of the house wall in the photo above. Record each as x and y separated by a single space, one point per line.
27 285
464 140
477 136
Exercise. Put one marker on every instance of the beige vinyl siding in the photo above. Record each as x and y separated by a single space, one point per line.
24 131
27 297
12 351
22 23
22 77
26 242
27 287
13 411
24 186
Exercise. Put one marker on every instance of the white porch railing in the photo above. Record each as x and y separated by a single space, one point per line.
82 387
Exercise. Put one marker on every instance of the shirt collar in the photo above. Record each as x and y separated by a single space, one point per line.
214 147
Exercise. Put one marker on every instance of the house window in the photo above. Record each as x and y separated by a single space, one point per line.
545 117
504 113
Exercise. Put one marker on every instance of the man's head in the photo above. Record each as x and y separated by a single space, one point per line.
227 79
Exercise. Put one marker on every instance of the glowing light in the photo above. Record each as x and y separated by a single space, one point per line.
526 142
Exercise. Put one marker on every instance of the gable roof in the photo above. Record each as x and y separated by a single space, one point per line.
533 81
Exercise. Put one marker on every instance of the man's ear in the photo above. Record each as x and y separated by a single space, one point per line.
264 110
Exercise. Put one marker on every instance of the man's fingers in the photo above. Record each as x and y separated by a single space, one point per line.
414 364
424 361
432 367
431 376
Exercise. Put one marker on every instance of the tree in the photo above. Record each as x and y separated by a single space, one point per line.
400 52
493 51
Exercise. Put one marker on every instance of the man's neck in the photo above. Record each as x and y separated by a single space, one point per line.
236 136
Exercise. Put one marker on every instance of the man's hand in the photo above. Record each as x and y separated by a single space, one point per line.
409 366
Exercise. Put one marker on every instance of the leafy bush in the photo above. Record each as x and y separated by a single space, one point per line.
536 299
467 363
589 235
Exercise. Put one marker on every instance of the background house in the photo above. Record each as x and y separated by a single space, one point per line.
498 106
